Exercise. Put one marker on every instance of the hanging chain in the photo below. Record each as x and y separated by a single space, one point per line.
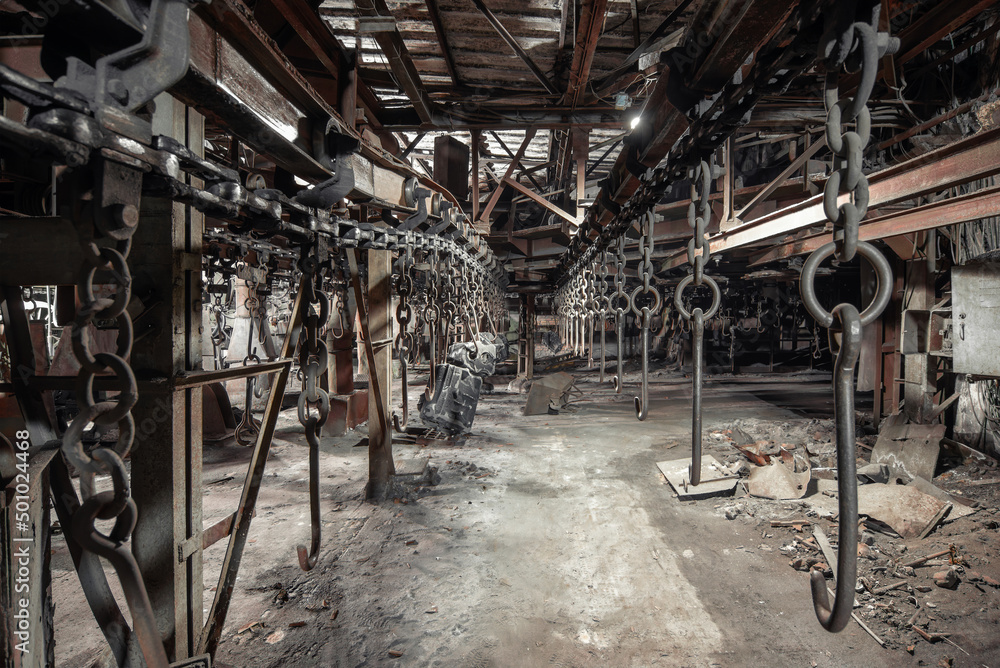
699 213
106 256
404 338
313 361
248 428
604 303
646 311
590 305
622 304
851 36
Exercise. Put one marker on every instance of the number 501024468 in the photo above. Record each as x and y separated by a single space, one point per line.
22 482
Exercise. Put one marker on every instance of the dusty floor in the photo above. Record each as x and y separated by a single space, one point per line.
554 541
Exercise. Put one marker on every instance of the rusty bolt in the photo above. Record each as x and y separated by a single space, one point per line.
127 215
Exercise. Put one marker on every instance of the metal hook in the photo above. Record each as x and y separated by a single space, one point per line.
307 558
398 424
642 403
697 363
834 618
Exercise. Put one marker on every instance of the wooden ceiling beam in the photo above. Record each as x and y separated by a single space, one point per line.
449 61
484 216
588 33
513 44
400 62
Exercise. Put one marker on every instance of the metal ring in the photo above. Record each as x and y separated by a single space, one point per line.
679 291
807 284
645 310
324 407
81 348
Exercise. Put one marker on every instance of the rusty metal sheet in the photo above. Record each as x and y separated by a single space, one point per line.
909 450
906 510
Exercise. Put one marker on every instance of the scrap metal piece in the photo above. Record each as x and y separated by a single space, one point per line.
909 450
452 407
546 390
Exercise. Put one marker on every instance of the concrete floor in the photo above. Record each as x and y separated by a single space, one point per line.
562 547
549 541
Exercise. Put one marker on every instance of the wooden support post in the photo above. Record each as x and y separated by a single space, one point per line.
347 82
167 453
377 328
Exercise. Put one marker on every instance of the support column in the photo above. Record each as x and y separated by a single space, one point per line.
167 454
380 465
529 337
921 369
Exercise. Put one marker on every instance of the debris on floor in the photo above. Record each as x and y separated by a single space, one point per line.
550 394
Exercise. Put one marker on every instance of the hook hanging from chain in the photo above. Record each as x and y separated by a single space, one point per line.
645 313
696 317
249 427
622 304
404 339
605 307
313 360
851 27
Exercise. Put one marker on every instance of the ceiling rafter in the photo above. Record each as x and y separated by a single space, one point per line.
507 37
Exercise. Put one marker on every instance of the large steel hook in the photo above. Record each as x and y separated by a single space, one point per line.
847 321
307 557
696 318
644 314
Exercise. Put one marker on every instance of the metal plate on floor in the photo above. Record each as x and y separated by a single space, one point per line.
716 479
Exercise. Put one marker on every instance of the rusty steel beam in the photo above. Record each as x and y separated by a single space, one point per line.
588 32
937 120
966 160
802 159
602 86
538 199
310 28
936 24
973 206
259 95
519 161
740 32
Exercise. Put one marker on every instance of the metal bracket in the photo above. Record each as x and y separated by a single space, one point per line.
122 82
332 148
